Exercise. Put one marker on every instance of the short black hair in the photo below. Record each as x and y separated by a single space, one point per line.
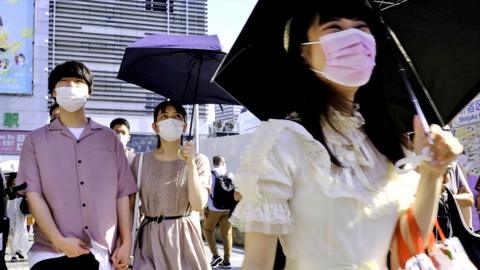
52 108
217 160
161 107
70 69
119 121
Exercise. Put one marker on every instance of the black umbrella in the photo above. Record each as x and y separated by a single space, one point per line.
441 37
177 67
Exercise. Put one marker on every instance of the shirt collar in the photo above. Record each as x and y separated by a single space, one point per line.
57 125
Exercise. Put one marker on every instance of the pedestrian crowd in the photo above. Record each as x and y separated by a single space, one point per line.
316 190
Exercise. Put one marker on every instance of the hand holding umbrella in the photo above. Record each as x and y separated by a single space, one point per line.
187 153
437 149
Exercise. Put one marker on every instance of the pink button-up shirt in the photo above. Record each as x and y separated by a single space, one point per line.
80 180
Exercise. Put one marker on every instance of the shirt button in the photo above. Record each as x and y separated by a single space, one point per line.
84 205
86 227
81 183
79 161
78 141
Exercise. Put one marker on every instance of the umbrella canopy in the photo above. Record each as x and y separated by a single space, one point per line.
440 37
177 67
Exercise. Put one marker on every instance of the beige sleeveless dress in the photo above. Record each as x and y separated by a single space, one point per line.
171 244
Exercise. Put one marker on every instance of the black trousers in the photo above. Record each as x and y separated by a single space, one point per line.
84 262
280 259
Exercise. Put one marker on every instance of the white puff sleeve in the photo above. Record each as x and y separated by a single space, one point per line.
265 180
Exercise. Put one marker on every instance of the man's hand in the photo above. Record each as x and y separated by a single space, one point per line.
121 255
72 247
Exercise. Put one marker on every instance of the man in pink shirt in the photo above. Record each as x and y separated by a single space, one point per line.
78 183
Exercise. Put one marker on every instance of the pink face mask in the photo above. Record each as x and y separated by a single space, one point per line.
350 57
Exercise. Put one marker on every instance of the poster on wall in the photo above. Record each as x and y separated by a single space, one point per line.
469 136
16 46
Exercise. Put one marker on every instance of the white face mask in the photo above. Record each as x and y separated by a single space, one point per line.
170 129
221 170
72 98
124 139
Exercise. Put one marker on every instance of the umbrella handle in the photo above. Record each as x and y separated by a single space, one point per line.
416 103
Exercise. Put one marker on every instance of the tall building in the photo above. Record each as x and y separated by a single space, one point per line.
96 32
227 113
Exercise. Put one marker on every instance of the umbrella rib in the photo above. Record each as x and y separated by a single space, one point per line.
388 3
223 66
190 66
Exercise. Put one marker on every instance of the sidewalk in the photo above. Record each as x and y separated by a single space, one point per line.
20 264
236 258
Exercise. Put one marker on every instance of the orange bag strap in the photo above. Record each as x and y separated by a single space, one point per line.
402 249
415 232
439 230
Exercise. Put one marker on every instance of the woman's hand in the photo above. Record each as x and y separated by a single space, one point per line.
443 150
189 152
121 255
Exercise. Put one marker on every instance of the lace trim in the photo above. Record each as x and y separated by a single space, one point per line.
349 182
378 195
263 217
254 158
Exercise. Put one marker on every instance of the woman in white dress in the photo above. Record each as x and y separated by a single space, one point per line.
325 183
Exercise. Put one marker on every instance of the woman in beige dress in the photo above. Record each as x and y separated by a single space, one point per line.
171 187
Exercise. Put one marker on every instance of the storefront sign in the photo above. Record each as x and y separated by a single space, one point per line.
11 142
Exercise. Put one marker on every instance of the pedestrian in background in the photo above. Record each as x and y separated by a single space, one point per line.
221 203
54 111
122 129
454 180
17 238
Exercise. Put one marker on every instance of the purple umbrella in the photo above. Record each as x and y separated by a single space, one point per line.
177 67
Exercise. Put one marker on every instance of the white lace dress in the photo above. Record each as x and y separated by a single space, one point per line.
327 217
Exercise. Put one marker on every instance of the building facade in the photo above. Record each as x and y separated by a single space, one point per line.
95 32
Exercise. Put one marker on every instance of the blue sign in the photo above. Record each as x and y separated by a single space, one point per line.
16 46
469 115
143 143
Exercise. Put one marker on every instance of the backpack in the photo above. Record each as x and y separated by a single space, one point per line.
223 192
